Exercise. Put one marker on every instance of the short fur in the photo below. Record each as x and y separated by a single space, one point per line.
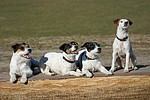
122 49
61 63
88 60
22 64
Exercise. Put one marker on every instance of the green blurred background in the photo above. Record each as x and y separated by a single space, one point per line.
42 18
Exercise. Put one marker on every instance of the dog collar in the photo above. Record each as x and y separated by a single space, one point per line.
68 60
124 39
89 58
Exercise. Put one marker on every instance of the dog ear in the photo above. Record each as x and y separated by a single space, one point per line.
75 43
85 45
116 21
97 44
62 47
130 22
15 47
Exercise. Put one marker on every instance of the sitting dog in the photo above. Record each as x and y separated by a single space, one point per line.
122 49
88 60
22 64
60 63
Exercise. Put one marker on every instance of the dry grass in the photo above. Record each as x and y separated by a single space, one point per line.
121 87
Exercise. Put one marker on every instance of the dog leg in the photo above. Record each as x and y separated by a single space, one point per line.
13 78
105 71
47 71
74 73
133 60
87 73
24 78
126 69
113 62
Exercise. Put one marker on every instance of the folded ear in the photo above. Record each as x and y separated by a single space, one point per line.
130 22
116 21
75 43
85 45
15 47
62 47
97 44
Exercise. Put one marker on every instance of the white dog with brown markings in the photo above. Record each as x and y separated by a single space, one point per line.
88 60
22 64
122 49
61 63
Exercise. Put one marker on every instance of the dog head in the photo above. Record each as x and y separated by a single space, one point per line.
22 49
70 48
92 47
123 23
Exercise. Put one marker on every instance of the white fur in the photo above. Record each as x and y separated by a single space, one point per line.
53 63
123 49
20 66
89 66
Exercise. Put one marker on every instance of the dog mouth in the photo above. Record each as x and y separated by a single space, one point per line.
27 56
74 52
98 52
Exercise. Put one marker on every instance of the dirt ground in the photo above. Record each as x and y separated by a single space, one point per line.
111 87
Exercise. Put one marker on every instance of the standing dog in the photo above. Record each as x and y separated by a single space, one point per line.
122 49
61 63
88 60
22 64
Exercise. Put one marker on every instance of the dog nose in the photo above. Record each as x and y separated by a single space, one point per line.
76 47
30 50
126 23
99 49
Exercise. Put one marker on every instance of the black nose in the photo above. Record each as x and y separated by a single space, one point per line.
30 50
76 47
126 23
99 49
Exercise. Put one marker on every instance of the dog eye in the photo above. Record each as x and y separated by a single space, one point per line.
69 46
121 21
22 48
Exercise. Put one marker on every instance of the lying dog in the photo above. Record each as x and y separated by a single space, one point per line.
88 60
60 63
122 49
22 64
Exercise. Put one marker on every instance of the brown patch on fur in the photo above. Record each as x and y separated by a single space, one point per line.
117 21
68 51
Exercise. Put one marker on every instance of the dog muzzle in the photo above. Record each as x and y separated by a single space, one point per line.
26 56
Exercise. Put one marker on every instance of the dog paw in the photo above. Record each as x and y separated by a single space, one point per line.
135 68
111 70
126 70
89 75
13 80
110 73
24 80
50 74
79 74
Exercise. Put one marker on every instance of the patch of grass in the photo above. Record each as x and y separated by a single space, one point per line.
42 18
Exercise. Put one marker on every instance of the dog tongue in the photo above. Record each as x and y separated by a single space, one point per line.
75 52
26 56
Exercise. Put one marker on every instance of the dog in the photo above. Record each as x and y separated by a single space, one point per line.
61 63
88 60
122 49
22 63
